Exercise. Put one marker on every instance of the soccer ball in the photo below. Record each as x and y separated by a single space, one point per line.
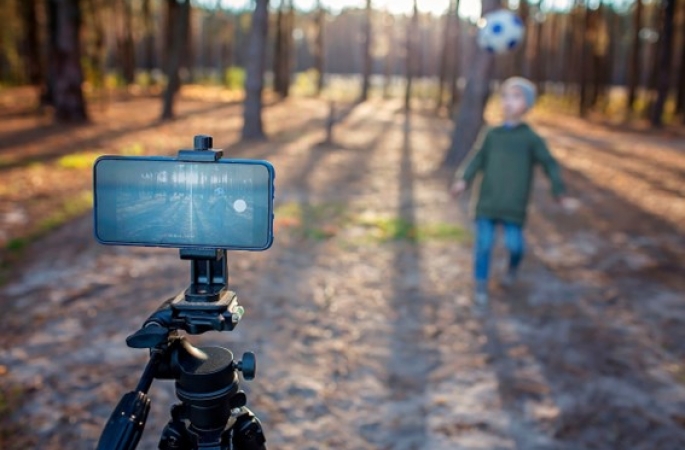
500 31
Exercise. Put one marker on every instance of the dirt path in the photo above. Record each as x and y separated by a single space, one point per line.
360 314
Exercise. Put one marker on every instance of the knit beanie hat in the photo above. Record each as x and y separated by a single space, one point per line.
526 86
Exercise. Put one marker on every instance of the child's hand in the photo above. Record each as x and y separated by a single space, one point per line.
458 187
569 204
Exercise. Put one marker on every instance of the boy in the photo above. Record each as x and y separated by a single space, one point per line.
506 157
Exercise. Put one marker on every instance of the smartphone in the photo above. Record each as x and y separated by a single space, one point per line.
164 202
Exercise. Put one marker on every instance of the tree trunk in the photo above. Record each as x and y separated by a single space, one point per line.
390 55
585 65
96 55
521 56
180 17
612 50
634 63
596 58
148 38
538 60
279 49
446 55
555 47
319 47
368 61
254 82
125 44
680 100
64 21
652 59
31 42
412 32
469 120
456 62
574 33
225 46
47 95
283 49
289 55
664 62
188 53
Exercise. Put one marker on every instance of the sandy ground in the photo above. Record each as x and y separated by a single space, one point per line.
367 343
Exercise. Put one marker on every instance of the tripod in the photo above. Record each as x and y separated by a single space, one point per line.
212 413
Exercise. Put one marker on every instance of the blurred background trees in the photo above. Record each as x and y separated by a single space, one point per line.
618 59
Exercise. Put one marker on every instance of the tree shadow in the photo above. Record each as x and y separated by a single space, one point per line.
412 355
577 358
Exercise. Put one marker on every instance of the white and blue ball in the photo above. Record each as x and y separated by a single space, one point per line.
500 31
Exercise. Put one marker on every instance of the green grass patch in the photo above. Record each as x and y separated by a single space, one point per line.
82 160
16 244
135 149
145 79
85 160
317 222
234 78
305 83
329 220
386 229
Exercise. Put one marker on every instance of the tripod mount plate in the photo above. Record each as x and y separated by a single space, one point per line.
198 317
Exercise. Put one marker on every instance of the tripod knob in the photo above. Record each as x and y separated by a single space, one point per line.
248 366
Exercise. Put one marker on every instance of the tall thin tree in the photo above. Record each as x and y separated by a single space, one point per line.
31 42
289 59
469 118
634 68
585 67
446 55
148 38
456 39
680 97
537 57
412 57
282 61
319 50
368 60
179 15
125 45
64 23
95 53
664 61
279 48
254 83
389 21
521 63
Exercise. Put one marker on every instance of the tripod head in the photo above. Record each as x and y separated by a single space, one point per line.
212 413
206 305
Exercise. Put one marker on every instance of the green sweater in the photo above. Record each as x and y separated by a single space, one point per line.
507 158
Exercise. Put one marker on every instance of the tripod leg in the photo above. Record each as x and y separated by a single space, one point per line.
247 432
175 434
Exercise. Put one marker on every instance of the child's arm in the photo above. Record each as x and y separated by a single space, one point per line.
477 163
551 167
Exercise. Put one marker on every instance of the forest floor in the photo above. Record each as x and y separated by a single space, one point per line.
360 314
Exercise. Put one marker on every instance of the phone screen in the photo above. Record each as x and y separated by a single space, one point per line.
163 202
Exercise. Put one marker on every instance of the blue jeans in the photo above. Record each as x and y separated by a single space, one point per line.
485 241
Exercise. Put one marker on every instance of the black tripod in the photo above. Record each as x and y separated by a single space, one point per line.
212 413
